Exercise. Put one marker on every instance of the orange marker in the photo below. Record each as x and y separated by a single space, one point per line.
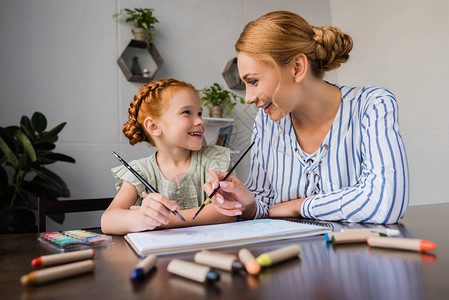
62 258
401 243
249 261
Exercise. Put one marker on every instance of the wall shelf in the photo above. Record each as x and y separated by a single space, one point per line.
147 56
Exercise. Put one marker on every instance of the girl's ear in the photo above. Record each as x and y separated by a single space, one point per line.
152 127
300 65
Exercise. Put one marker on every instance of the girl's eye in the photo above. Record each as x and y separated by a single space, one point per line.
186 112
200 114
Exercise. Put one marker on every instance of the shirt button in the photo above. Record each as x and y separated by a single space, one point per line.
177 192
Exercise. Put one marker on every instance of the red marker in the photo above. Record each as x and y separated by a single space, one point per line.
62 258
401 243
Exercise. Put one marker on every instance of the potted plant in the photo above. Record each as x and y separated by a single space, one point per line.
219 100
25 150
143 20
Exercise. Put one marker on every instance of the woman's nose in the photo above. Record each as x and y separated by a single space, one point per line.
250 97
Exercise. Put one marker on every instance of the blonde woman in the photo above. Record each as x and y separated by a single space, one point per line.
323 151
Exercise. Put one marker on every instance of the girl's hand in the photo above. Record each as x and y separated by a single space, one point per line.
233 198
155 210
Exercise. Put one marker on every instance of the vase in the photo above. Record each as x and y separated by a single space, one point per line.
216 112
135 67
140 34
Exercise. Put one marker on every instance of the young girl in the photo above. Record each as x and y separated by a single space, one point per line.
165 114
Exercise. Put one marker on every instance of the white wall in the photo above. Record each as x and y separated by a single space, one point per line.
59 57
404 45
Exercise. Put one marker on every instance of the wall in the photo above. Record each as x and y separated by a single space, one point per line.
59 58
403 45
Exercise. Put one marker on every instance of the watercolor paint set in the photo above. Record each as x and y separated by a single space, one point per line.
74 239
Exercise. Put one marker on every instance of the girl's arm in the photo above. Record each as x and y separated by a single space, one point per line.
122 217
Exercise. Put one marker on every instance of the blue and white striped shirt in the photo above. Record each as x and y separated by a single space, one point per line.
359 173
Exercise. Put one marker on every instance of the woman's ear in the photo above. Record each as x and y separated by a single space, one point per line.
152 127
300 65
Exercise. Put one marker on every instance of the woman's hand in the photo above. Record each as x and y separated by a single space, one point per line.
286 209
155 210
233 198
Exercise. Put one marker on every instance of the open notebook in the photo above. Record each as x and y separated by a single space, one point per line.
221 235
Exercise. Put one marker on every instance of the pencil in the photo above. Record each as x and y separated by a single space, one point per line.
145 183
224 179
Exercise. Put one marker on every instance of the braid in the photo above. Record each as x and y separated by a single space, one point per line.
148 102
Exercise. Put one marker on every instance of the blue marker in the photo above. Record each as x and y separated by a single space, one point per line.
143 267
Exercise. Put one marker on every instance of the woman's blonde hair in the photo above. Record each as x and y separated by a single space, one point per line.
279 36
151 100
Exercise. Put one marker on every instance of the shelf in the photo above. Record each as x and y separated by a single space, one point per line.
220 121
147 56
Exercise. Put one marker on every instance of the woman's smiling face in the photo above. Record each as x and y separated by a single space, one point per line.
261 80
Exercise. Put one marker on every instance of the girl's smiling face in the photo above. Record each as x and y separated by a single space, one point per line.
262 80
182 124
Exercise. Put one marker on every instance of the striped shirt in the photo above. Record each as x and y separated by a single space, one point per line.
359 173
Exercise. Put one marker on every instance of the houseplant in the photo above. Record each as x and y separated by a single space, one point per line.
143 20
218 99
25 150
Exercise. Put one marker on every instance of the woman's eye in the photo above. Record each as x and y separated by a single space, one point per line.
252 82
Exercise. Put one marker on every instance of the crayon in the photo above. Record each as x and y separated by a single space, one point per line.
278 255
218 260
351 237
401 243
143 267
192 271
249 261
386 231
224 179
58 272
62 258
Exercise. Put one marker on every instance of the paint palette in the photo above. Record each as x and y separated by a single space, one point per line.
74 239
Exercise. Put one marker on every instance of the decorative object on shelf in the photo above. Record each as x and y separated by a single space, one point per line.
25 150
143 20
224 136
231 75
218 99
135 69
147 58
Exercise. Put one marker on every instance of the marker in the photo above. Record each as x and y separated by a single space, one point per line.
145 183
278 255
62 258
143 267
401 243
192 271
249 261
58 272
218 260
224 179
386 231
351 237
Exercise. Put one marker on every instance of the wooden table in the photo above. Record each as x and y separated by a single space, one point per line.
342 272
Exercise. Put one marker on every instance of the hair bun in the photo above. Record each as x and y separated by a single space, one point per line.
332 46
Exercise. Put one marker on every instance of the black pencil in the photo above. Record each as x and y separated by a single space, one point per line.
145 183
224 179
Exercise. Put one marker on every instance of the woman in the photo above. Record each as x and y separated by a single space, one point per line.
322 151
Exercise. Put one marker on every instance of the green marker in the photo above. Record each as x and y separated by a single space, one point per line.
275 256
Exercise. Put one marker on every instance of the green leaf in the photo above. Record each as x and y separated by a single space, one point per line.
51 182
44 146
39 122
27 146
12 158
60 157
25 125
55 130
